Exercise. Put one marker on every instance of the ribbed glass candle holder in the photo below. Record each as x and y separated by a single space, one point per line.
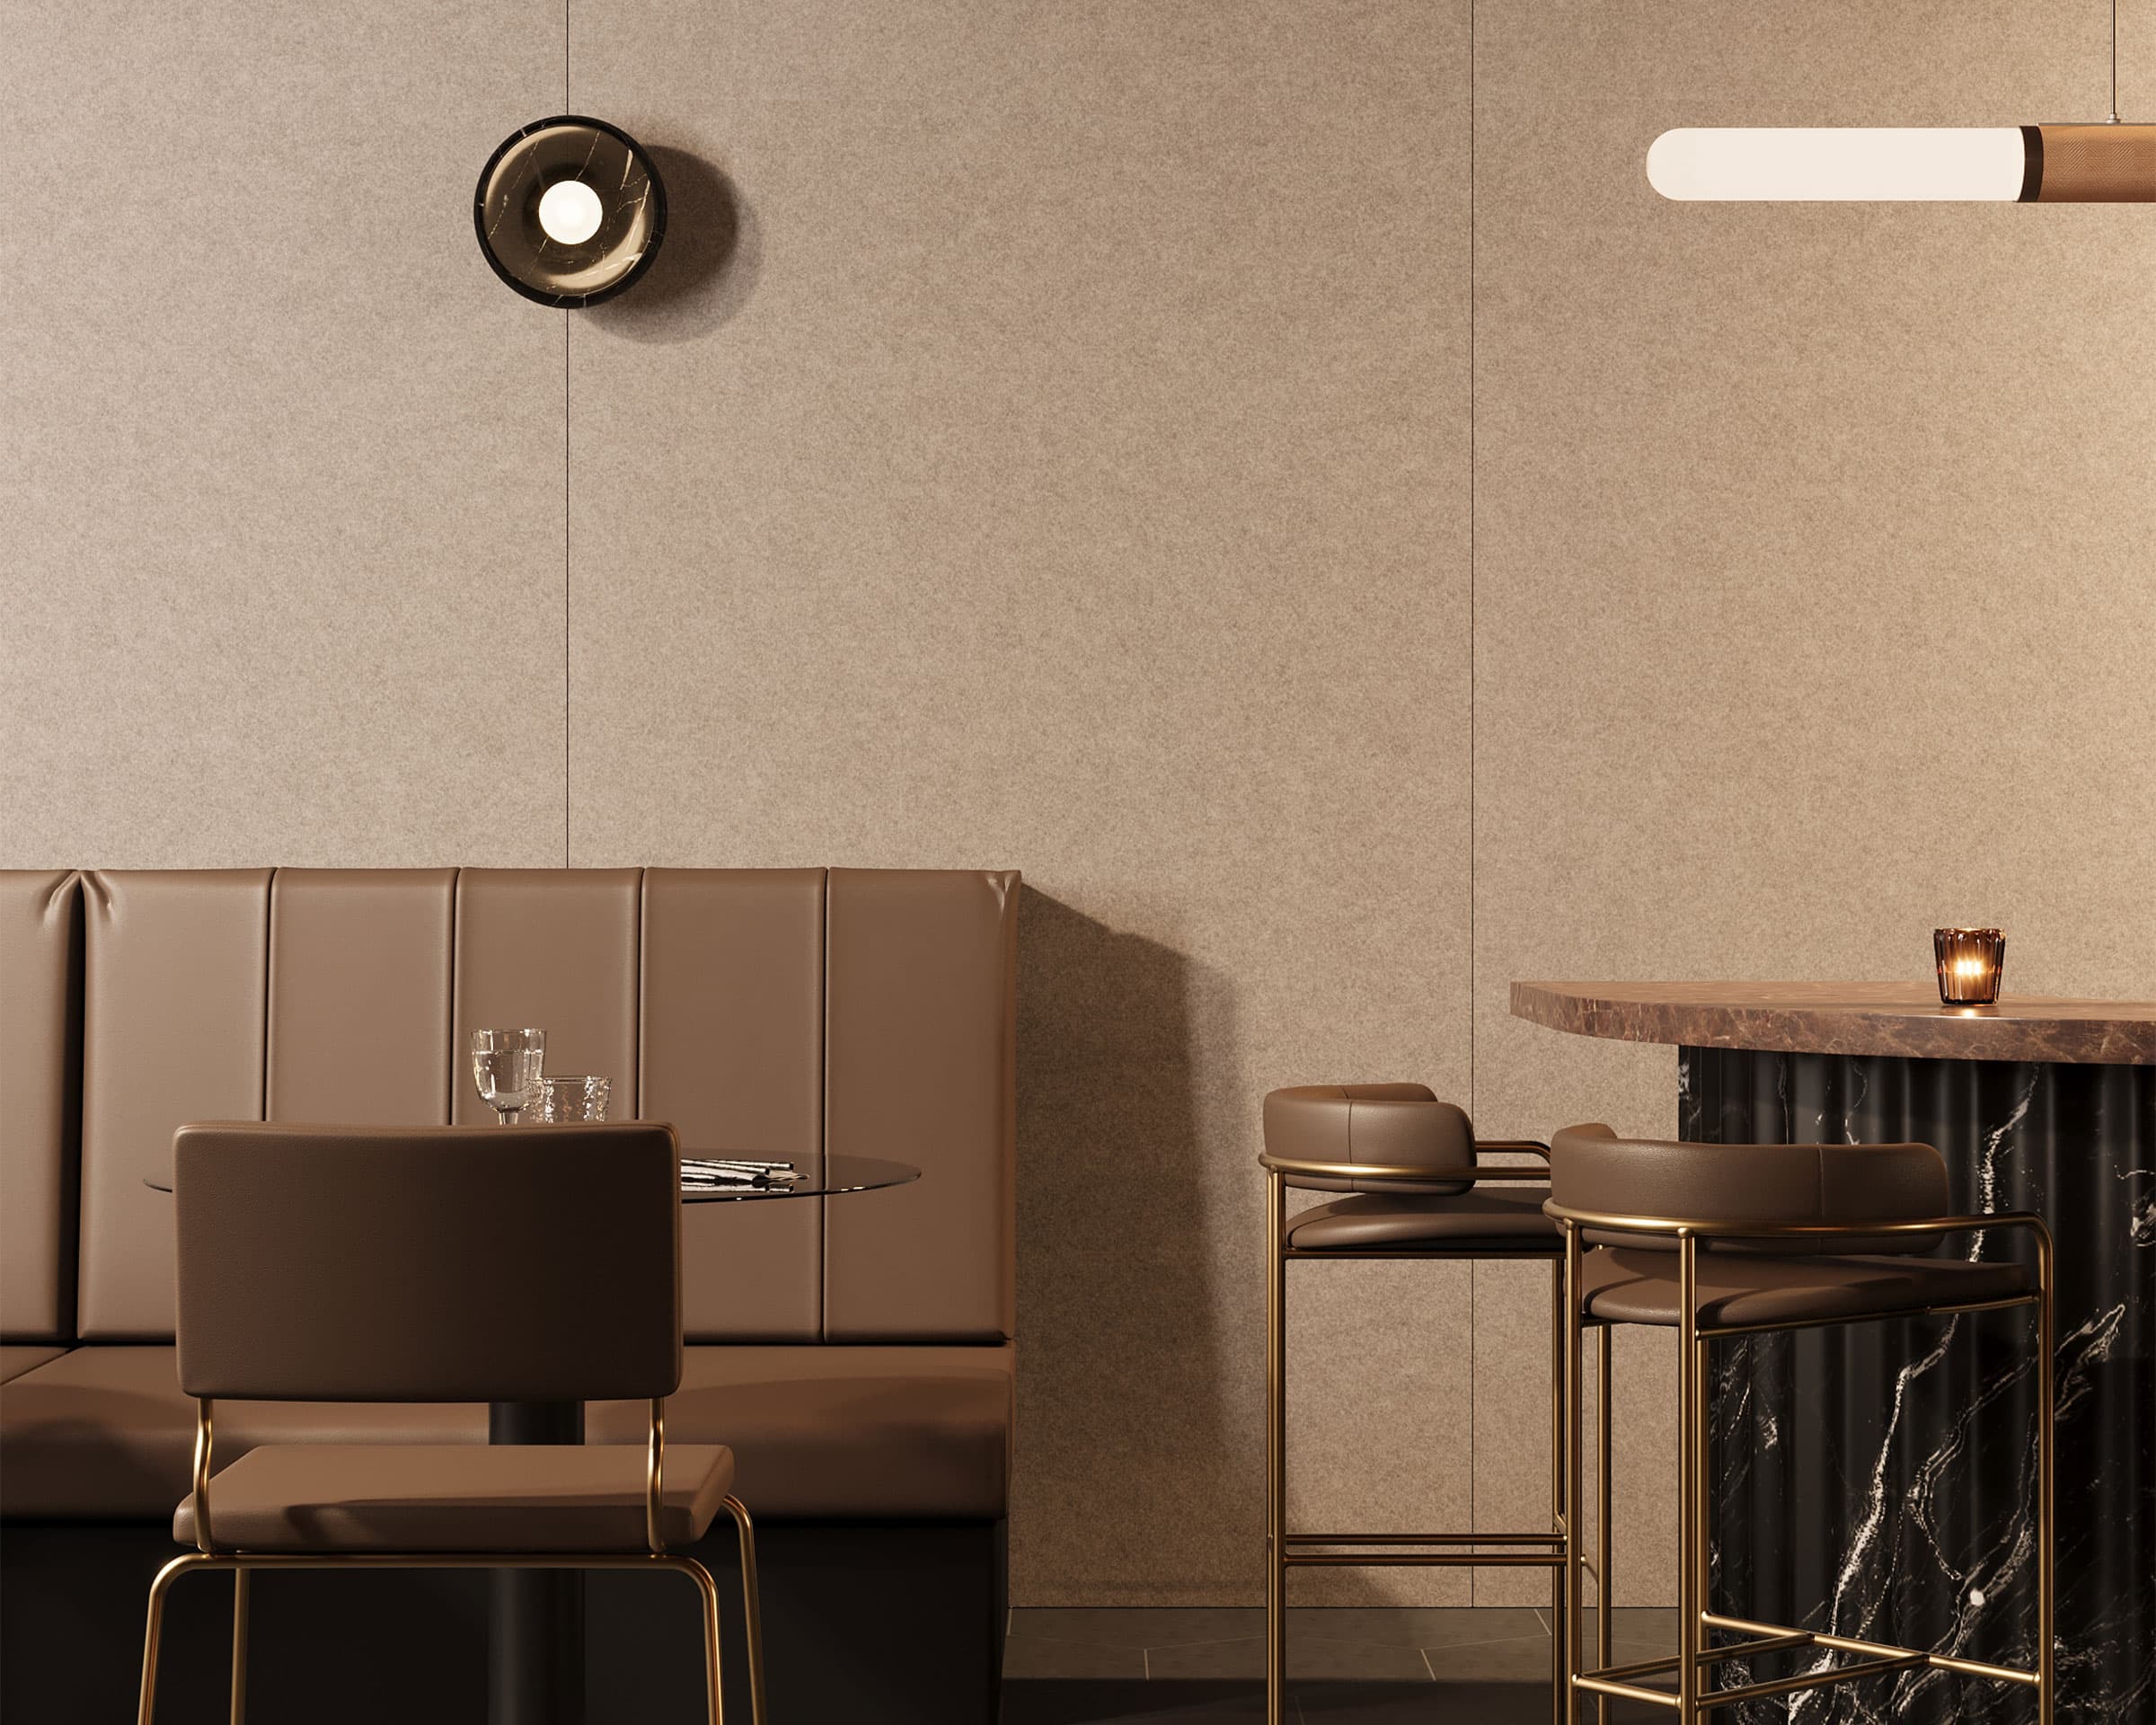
1970 961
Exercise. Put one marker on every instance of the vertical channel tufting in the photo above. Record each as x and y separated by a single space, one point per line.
40 1064
732 1016
921 1066
557 948
176 973
359 986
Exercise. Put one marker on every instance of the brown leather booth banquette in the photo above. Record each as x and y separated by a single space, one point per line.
856 1352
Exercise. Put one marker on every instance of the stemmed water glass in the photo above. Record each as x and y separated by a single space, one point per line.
506 1066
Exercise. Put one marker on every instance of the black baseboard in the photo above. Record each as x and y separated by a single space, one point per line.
897 1622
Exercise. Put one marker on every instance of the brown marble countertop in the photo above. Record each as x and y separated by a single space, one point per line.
1892 1018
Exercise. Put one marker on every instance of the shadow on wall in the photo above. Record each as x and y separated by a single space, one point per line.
1122 1417
706 269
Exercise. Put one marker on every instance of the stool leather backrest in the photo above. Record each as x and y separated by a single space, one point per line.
1593 1170
428 1263
1389 1125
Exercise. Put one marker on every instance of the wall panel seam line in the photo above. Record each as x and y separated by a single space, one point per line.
1474 1577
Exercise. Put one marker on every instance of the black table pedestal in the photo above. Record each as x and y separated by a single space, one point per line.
1877 1479
535 1661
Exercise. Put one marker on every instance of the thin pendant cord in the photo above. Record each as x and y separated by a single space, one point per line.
2115 62
566 852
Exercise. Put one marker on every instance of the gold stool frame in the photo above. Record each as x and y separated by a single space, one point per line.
210 1556
1397 1551
1694 1659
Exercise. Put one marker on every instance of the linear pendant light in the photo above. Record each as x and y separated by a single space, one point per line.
2104 163
2030 164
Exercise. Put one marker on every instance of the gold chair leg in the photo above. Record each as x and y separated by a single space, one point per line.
707 1592
752 1610
1688 1474
239 1646
1560 1686
1567 1625
155 1628
1604 1599
1276 1451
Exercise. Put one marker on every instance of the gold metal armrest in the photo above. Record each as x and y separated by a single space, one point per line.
1523 1147
1706 1228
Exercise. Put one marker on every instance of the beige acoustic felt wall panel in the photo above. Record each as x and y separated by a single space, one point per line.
1813 607
281 461
1065 469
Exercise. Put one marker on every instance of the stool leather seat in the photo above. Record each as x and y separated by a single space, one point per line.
1485 1223
1635 1286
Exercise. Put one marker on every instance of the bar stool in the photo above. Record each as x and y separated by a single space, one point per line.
1409 1165
1716 1239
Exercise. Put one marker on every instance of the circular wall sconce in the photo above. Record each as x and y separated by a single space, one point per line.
570 210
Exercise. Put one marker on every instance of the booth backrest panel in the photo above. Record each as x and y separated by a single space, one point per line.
359 995
176 974
41 925
781 1012
733 1054
921 1019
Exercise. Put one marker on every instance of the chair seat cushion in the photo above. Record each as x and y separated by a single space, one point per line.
1636 1286
457 1498
1483 1223
104 1433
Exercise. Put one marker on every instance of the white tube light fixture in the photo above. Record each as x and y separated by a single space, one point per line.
2108 163
2031 164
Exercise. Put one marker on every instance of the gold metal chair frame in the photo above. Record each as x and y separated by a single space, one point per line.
1281 1547
1693 1698
209 1556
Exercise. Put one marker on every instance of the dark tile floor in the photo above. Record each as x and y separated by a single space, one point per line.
1346 1666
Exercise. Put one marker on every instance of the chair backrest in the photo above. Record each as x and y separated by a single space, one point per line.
1394 1125
428 1263
1593 1170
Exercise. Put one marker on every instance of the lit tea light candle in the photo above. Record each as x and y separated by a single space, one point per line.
1970 963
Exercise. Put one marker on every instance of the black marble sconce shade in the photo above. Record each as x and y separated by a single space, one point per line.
632 211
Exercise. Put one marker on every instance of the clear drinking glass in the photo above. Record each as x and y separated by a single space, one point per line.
563 1101
508 1065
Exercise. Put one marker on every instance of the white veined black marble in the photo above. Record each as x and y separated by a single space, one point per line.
1877 1480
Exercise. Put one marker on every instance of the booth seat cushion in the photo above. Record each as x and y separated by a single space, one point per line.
17 1357
822 1432
104 1433
832 1433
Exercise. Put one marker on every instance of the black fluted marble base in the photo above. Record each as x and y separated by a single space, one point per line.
1877 1480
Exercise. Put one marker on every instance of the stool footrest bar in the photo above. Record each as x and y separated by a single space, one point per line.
1423 1560
1424 1539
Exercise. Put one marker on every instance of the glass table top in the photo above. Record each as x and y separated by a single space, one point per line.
840 1174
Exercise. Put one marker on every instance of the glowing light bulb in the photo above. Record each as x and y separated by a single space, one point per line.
570 212
1886 163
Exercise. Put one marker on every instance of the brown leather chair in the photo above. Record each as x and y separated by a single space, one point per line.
438 1264
1412 1170
1716 1239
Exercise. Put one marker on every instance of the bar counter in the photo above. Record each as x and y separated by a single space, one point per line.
1874 1480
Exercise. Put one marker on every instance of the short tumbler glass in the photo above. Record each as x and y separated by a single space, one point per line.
563 1101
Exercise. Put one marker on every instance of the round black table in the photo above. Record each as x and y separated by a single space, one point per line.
535 1661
